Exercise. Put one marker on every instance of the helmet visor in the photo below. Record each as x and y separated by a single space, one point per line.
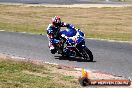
56 24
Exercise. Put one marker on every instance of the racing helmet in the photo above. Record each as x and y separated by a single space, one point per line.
56 21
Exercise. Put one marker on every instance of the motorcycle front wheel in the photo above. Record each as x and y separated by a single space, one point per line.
87 54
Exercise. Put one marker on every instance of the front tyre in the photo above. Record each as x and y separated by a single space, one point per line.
87 54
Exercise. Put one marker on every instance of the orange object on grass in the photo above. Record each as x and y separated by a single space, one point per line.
84 73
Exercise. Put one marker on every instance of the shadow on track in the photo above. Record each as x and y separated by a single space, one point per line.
71 59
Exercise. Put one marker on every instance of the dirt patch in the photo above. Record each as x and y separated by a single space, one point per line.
88 5
75 5
68 71
72 5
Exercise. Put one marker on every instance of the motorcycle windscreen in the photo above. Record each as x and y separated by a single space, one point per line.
70 32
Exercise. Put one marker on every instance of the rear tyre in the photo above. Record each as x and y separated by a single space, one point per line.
87 54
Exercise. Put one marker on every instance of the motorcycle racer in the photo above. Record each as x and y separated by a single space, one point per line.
54 32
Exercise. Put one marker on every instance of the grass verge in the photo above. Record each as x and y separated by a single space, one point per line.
105 23
22 74
35 74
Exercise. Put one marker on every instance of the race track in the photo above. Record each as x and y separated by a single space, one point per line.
112 57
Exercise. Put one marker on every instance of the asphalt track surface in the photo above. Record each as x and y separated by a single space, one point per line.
64 2
111 57
46 1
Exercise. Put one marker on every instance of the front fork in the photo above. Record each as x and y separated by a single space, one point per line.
80 48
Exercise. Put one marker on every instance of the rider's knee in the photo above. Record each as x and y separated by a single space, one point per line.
53 51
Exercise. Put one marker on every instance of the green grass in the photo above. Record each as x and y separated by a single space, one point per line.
21 74
20 27
67 78
105 23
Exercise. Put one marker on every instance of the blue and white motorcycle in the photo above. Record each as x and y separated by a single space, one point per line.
72 44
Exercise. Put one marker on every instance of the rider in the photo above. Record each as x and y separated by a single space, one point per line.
54 32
